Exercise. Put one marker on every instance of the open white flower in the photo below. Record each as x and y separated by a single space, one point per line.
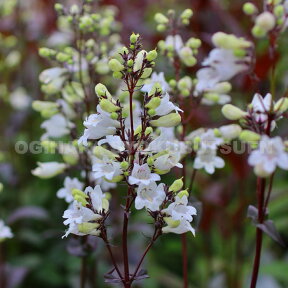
48 169
180 210
207 159
166 106
98 125
114 141
99 202
69 185
261 106
178 227
167 161
207 78
156 79
269 155
57 126
106 168
141 174
209 140
77 214
5 231
150 196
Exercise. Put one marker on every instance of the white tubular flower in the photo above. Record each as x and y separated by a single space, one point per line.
167 161
57 126
5 231
175 42
207 159
178 227
261 106
139 60
114 141
141 174
150 196
98 125
156 79
225 63
207 78
99 202
106 168
76 215
69 185
270 154
209 140
179 210
229 132
166 106
48 169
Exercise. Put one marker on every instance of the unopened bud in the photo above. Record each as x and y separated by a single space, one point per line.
232 112
115 65
176 185
161 19
170 120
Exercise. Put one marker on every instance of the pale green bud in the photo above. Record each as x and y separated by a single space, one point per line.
222 88
231 131
279 11
161 27
146 73
156 88
89 228
85 22
232 112
281 105
74 9
161 19
266 21
153 103
46 52
170 120
150 161
258 32
151 112
214 97
152 55
249 8
240 53
101 153
138 130
161 172
185 83
172 83
108 106
249 136
42 106
134 37
115 65
81 200
116 179
71 158
148 131
183 193
114 116
194 43
130 63
187 13
176 185
63 57
117 75
124 165
196 143
58 7
101 90
1 187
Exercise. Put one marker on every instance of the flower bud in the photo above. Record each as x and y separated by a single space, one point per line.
170 120
116 179
133 38
148 131
183 193
115 65
249 8
108 106
185 83
114 116
161 19
187 13
151 112
46 52
258 32
117 75
232 112
176 185
172 83
161 27
231 131
138 130
101 153
63 57
193 43
89 228
1 187
130 63
101 90
153 103
281 105
152 55
161 172
249 136
266 21
222 88
146 73
124 165
150 161
58 7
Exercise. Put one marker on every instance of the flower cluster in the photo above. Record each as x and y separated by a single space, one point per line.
272 20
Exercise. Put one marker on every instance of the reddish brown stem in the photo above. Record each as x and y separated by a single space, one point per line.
259 234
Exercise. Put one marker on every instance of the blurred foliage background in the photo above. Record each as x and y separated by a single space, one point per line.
221 255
